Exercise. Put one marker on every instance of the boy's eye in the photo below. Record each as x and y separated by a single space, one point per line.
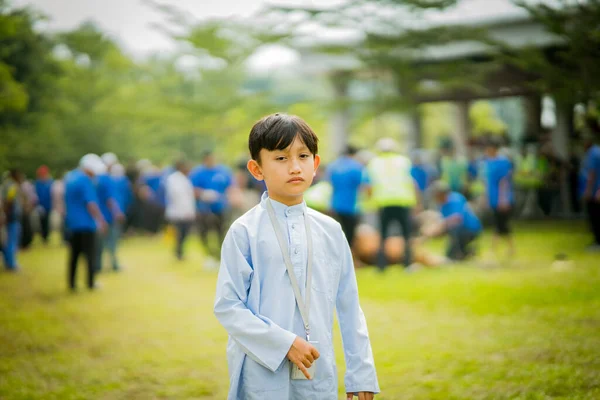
280 158
304 155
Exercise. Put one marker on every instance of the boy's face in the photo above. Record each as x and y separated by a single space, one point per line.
287 173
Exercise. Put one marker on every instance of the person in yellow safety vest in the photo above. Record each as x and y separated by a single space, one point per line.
529 170
394 192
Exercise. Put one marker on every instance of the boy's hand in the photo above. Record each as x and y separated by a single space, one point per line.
360 395
303 354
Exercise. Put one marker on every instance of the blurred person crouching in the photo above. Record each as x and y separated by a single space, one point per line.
459 222
180 204
83 216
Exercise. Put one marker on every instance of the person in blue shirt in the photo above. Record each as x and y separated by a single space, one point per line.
43 186
347 176
124 198
152 208
460 222
591 194
12 204
113 215
211 184
83 216
272 332
422 174
499 192
161 192
123 187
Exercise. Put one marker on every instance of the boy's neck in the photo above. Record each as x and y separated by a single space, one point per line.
288 201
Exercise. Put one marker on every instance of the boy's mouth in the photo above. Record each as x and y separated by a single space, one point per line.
296 179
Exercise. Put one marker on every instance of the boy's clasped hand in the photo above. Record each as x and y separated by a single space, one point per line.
303 355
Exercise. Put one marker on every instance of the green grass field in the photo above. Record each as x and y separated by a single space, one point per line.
519 331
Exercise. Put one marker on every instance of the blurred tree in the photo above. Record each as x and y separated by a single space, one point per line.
484 119
393 42
569 71
217 93
74 92
393 49
27 75
438 123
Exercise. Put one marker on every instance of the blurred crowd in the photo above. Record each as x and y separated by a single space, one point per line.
388 202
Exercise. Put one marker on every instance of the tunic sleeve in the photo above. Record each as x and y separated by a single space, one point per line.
261 339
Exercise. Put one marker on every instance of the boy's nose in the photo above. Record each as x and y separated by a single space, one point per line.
295 167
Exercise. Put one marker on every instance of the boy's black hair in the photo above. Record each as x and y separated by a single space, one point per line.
277 132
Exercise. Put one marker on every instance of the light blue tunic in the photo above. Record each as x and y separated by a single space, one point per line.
256 305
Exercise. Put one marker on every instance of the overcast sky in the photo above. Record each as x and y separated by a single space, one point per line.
129 21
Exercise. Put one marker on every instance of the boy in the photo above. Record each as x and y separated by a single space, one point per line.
498 170
280 334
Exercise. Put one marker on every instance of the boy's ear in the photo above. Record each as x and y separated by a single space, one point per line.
255 170
317 162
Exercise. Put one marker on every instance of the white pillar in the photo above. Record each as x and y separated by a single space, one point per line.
560 144
562 131
463 132
411 127
340 118
533 115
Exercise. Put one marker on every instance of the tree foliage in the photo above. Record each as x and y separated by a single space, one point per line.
67 94
395 43
570 71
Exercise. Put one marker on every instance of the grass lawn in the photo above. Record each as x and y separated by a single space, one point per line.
519 331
